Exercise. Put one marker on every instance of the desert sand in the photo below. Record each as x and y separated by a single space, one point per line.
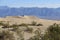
29 20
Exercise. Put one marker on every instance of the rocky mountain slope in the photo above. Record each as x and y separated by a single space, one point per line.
47 13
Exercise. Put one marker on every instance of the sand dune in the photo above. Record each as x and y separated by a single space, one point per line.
29 20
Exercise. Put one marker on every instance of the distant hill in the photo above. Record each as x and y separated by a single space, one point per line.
46 13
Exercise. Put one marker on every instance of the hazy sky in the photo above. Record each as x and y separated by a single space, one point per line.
30 3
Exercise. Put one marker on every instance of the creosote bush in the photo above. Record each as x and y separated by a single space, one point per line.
37 35
34 23
29 29
39 25
23 24
6 35
14 26
19 32
53 32
5 25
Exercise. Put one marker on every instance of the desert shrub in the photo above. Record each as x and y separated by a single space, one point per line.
14 26
6 35
23 24
53 32
39 25
5 25
37 35
19 32
1 23
29 29
33 23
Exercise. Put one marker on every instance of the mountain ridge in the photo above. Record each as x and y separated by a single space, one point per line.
46 13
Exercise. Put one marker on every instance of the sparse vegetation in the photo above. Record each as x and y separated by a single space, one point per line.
5 25
23 24
29 29
53 32
39 25
14 26
6 35
20 33
34 23
37 35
